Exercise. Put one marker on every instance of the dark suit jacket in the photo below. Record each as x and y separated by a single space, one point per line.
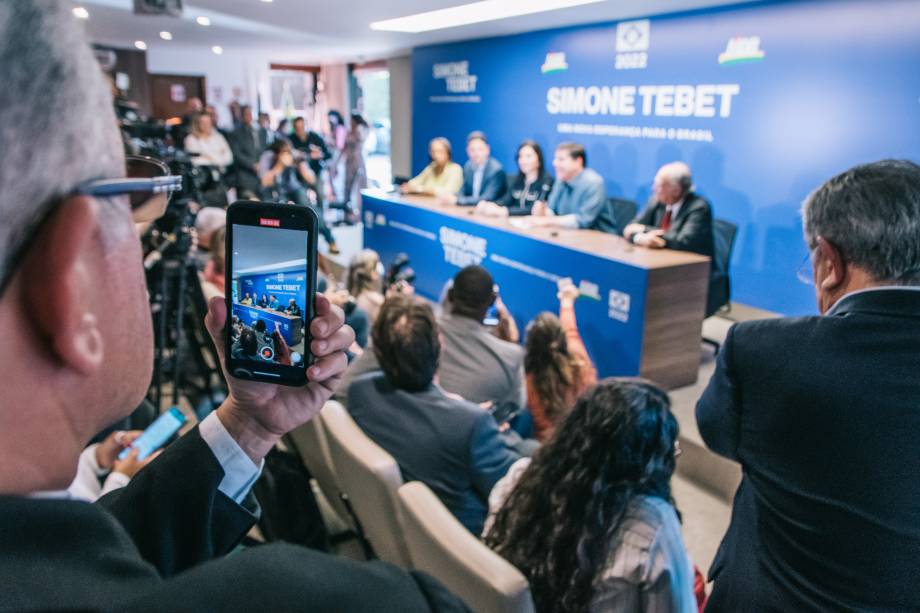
493 184
823 413
452 446
158 545
691 230
247 144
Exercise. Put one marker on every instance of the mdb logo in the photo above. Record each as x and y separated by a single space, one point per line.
632 44
554 62
741 49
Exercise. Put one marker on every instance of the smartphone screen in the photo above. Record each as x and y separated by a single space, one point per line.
160 431
272 265
491 318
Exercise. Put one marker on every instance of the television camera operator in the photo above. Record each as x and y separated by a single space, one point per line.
77 355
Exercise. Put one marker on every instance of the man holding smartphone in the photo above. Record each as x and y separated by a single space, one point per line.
75 362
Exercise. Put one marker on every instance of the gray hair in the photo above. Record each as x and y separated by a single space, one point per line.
871 213
57 125
679 174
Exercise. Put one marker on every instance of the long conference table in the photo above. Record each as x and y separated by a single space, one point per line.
291 326
641 310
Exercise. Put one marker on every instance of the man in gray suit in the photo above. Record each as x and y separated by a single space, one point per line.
451 445
483 176
247 143
823 412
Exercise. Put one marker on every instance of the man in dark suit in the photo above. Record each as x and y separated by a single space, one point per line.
677 218
73 365
451 445
822 412
483 176
247 143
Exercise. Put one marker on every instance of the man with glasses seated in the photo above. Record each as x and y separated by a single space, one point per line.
77 356
822 413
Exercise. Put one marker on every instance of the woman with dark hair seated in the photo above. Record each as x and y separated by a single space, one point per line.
590 520
530 185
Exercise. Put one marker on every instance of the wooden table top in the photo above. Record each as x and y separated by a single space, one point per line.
600 244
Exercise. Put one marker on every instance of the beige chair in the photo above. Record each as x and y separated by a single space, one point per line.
442 547
370 477
309 440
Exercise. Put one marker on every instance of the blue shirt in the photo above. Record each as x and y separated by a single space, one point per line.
274 305
585 197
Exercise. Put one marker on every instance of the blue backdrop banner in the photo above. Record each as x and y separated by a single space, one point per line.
764 102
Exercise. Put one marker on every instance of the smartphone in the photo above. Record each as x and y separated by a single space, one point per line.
505 412
270 291
156 435
491 318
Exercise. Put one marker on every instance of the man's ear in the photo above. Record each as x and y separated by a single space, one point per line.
835 268
58 277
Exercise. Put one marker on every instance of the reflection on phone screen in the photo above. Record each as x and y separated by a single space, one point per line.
269 294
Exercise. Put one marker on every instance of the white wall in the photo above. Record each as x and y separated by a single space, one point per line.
401 115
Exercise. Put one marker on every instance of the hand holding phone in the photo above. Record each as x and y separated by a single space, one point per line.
156 435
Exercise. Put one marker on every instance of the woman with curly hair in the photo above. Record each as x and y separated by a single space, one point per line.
590 520
556 363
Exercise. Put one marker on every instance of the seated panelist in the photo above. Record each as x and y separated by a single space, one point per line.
441 176
676 217
529 186
578 198
293 309
483 176
247 299
263 301
273 303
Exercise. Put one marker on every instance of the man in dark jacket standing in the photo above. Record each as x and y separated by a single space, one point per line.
248 143
823 413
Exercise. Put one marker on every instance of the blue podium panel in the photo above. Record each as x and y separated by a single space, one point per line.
290 326
624 335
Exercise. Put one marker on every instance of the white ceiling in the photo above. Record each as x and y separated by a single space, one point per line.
312 31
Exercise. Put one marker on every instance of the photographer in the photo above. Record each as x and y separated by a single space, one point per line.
78 350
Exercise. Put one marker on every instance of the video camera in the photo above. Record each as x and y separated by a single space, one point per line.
399 272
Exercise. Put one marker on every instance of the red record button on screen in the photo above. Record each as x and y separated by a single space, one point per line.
274 223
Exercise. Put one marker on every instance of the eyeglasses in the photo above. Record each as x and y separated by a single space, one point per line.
805 271
147 183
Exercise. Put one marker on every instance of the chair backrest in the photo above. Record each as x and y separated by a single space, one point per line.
440 546
309 440
622 210
724 233
371 478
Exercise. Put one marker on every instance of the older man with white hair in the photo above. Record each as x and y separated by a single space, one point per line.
676 217
77 354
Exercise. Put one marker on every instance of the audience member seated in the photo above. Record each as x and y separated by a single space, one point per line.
474 362
590 520
266 134
214 269
283 132
365 273
209 146
247 143
312 147
483 177
822 414
247 347
578 198
451 445
78 349
441 176
208 221
99 470
273 303
193 106
292 309
556 363
290 178
529 186
676 217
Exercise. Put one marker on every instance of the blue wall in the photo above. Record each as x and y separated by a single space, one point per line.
838 84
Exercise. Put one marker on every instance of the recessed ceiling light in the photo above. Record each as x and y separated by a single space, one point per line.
140 45
474 12
80 13
202 20
166 35
267 1
217 49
